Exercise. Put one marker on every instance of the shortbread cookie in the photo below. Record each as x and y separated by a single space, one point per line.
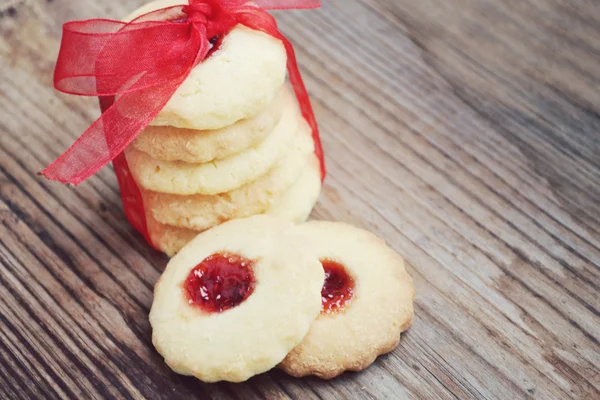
241 78
297 202
200 212
294 205
167 238
236 300
219 176
367 302
167 143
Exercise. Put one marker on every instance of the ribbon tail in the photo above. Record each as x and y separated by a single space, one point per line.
110 134
304 101
258 19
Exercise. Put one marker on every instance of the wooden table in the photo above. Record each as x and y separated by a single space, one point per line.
465 132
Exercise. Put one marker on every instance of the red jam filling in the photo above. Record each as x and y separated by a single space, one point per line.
214 42
220 282
338 287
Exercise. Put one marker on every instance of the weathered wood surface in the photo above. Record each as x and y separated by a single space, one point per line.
465 132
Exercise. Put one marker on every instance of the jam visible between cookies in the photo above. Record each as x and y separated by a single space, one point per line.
220 282
338 287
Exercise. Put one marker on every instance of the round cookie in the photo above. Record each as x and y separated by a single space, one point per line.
294 205
168 143
219 176
237 81
167 238
297 202
232 304
200 211
367 302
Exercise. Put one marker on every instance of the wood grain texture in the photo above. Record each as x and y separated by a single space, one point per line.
464 132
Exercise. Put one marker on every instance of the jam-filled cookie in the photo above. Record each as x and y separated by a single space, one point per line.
200 212
294 205
219 176
367 301
239 79
236 300
168 143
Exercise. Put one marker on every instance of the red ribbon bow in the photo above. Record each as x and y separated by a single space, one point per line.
143 62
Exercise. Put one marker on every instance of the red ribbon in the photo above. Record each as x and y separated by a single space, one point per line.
142 63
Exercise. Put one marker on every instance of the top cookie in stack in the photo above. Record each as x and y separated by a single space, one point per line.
230 143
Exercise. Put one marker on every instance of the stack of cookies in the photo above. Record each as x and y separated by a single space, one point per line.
230 143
